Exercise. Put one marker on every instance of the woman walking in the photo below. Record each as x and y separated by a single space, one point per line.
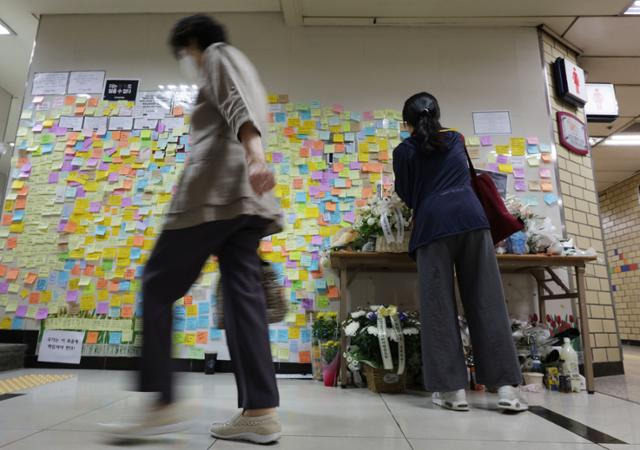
222 206
451 232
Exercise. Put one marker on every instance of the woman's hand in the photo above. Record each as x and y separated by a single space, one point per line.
261 177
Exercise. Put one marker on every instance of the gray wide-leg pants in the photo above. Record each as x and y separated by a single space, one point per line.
473 256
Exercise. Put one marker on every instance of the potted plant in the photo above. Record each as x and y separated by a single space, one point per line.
324 329
386 331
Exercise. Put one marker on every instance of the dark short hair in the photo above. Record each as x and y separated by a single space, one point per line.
200 29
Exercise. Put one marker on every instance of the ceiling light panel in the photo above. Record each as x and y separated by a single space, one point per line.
4 29
634 9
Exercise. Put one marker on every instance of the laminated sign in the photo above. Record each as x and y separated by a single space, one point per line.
61 346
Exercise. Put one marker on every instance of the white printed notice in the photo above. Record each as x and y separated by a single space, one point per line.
50 83
71 122
120 123
61 346
491 122
95 123
86 82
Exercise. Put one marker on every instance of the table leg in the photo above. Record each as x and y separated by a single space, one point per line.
542 307
584 330
344 310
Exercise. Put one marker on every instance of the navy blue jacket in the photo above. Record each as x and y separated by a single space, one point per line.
438 189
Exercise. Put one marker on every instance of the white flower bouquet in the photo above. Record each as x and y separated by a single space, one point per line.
365 327
385 218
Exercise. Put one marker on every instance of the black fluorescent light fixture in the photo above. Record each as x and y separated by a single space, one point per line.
5 30
634 9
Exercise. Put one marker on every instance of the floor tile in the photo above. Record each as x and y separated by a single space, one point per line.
423 444
419 418
7 436
72 440
323 443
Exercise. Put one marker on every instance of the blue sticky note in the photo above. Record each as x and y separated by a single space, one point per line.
115 337
293 346
321 284
181 157
192 323
41 284
283 335
533 149
101 230
304 169
305 335
273 335
551 199
18 215
280 117
215 334
179 324
17 323
324 135
179 312
203 308
203 322
135 253
124 286
114 312
301 197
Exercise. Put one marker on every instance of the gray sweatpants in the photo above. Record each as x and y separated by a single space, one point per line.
480 285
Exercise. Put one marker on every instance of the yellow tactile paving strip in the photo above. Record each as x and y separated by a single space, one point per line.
25 382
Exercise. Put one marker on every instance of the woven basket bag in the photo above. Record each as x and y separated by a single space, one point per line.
277 303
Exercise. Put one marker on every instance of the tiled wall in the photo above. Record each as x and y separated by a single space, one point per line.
582 220
620 206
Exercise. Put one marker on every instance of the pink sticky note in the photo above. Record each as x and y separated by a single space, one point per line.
316 175
518 172
503 159
492 167
545 173
276 157
53 177
520 185
533 140
21 311
355 165
42 313
113 177
485 141
94 207
316 240
349 217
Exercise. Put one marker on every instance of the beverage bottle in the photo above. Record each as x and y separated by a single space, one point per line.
570 368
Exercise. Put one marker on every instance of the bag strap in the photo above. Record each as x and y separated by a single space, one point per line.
471 168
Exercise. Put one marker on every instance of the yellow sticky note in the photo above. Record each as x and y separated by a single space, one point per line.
505 168
294 333
192 310
301 320
518 146
502 149
283 354
190 339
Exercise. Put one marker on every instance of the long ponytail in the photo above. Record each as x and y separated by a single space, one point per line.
422 112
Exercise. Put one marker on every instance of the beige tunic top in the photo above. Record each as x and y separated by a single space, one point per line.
215 184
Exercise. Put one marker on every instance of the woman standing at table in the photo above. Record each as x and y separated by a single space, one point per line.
451 231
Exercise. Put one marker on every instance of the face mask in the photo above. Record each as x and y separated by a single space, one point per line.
189 67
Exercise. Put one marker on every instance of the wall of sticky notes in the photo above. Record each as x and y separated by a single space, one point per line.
327 153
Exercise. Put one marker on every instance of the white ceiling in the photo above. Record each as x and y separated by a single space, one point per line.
610 42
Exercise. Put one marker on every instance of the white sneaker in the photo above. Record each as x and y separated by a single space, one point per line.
259 430
152 422
509 399
454 400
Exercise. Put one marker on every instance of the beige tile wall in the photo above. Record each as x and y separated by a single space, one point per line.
582 221
620 206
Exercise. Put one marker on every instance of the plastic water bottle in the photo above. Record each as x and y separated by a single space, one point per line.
570 368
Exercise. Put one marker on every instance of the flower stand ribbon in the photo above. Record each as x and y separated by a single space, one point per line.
383 339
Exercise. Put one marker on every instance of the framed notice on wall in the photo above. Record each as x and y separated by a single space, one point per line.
121 90
573 133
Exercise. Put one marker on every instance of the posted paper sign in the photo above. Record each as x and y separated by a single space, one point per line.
61 346
491 122
89 82
50 83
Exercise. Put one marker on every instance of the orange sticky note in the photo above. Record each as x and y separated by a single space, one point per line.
34 298
138 241
546 186
70 227
546 157
266 246
126 311
202 337
330 206
178 111
304 357
12 242
3 270
30 278
69 100
92 337
12 274
333 292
